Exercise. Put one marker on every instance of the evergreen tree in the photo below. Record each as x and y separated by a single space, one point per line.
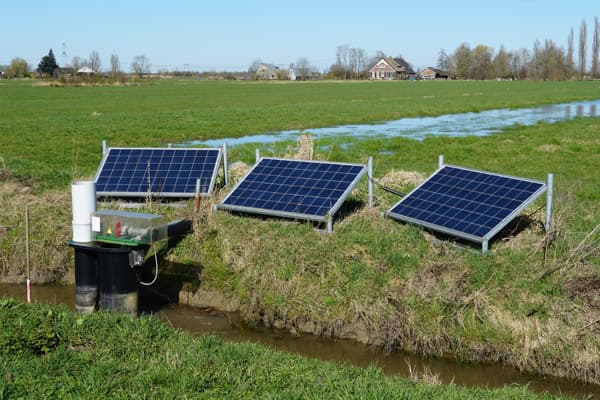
48 64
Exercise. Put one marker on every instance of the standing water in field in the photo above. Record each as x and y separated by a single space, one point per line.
454 125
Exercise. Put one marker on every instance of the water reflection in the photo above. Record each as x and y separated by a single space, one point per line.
230 328
454 125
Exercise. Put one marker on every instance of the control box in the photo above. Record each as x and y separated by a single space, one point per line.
128 228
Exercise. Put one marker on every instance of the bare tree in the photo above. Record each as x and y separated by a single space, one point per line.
342 56
140 65
520 65
253 68
443 60
481 62
77 63
95 62
582 48
549 61
501 64
358 62
461 61
18 68
570 53
595 49
114 64
302 68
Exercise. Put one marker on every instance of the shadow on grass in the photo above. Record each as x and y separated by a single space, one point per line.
512 230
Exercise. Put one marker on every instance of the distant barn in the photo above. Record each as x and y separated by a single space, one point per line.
431 73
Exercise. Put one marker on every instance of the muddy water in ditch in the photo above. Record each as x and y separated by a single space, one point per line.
230 327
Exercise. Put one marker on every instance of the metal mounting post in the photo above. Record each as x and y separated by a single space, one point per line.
257 155
103 147
440 161
370 178
225 164
549 198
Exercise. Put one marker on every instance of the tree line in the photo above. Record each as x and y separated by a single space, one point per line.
48 67
546 61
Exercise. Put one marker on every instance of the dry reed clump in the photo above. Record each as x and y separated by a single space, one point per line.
50 221
425 376
237 170
402 179
304 149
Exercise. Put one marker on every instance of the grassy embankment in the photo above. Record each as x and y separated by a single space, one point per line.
532 304
49 352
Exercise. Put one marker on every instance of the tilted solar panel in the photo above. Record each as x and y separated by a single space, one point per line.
158 172
312 190
466 203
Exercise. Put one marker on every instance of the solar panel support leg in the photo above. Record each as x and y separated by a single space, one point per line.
484 246
370 178
103 147
257 155
225 164
549 196
440 161
329 225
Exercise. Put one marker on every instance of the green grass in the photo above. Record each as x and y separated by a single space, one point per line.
50 352
68 123
374 279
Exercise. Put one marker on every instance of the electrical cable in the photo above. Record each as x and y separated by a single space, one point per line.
155 270
155 264
387 188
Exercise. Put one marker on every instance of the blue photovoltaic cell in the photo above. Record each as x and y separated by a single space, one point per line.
466 203
294 188
158 172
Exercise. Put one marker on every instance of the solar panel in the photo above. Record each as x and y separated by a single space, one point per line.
159 172
466 203
312 190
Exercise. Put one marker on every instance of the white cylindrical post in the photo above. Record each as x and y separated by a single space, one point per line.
83 196
440 161
549 198
257 155
103 147
169 145
225 164
370 178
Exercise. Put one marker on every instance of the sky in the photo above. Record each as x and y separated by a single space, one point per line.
230 34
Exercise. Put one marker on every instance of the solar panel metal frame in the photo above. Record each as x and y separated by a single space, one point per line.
285 214
479 239
160 194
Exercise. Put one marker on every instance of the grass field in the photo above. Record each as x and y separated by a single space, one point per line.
53 134
532 303
49 352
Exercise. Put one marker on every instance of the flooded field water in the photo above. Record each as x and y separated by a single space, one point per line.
454 125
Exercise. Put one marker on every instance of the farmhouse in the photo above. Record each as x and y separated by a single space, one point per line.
391 68
430 73
267 71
